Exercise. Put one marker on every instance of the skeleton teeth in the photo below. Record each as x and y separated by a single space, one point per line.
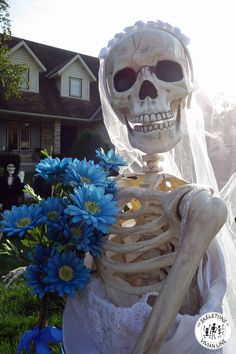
156 126
165 124
153 117
164 120
146 118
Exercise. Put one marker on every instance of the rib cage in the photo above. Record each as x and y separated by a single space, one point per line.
142 246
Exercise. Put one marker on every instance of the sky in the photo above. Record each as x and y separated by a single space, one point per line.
86 27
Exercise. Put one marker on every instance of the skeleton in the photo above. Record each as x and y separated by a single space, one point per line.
158 242
165 223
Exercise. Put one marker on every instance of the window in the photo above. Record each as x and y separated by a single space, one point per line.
24 136
12 136
3 128
18 136
75 88
24 84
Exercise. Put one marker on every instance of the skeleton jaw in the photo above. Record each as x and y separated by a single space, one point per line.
156 132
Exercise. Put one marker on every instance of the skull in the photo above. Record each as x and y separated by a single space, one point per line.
10 169
147 78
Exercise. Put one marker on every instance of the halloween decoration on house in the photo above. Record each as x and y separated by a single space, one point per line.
11 186
163 265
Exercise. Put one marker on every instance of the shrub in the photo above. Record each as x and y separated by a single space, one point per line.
86 145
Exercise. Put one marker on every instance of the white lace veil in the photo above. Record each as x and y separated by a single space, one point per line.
188 160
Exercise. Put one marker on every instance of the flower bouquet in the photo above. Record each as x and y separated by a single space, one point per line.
62 231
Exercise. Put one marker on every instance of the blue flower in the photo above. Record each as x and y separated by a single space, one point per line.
110 161
35 277
66 274
92 206
96 242
85 172
39 255
52 169
79 235
53 208
19 220
111 187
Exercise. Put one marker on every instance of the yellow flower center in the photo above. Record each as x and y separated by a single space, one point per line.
52 215
66 273
92 207
85 180
23 222
76 231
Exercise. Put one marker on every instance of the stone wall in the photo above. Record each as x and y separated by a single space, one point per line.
51 136
47 136
57 138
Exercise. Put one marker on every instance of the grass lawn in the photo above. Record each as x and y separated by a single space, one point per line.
19 309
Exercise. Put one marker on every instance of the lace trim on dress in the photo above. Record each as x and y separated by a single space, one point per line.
114 328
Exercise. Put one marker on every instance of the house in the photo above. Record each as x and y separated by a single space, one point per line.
59 101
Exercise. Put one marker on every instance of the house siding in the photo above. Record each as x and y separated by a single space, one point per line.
21 56
77 71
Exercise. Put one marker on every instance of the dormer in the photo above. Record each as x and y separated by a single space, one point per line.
73 78
22 54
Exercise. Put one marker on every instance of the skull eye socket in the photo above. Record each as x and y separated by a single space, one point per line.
124 79
169 71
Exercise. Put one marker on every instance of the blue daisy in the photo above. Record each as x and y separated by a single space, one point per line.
96 242
79 235
35 277
19 220
39 255
110 160
66 274
111 187
85 172
56 236
93 206
53 208
52 169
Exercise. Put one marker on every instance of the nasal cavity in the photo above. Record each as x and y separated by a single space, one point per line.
147 89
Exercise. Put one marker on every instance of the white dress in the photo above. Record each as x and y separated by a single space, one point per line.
93 325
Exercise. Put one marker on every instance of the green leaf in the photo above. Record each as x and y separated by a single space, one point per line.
5 253
6 247
29 243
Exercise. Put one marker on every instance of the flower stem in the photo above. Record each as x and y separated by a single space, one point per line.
43 313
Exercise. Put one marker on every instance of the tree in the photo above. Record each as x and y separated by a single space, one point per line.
10 74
